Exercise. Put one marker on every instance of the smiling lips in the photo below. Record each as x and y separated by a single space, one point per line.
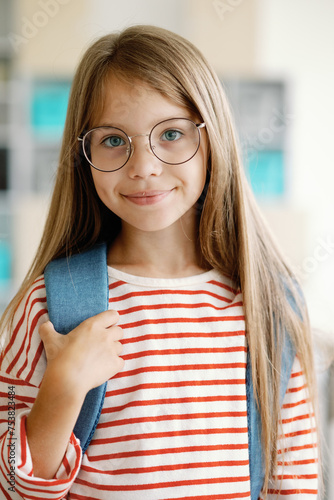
147 197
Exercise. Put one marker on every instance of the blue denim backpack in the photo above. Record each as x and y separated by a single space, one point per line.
76 289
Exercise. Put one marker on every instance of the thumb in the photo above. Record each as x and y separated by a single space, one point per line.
53 341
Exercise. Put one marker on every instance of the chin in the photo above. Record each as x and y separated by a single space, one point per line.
153 226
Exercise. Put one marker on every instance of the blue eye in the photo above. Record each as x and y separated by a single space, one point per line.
114 141
171 135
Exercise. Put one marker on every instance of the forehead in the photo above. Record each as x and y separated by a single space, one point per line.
128 105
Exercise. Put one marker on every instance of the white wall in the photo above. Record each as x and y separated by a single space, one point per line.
105 16
296 40
49 37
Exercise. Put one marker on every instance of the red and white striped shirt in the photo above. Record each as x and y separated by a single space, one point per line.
174 421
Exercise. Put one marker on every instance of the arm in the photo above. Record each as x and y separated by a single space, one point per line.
85 358
50 423
25 369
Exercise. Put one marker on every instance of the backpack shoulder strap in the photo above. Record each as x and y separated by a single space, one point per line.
76 289
256 468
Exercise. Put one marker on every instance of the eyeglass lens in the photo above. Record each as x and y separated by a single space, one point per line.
173 141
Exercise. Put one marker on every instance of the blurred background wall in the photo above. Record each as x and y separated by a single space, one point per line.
275 59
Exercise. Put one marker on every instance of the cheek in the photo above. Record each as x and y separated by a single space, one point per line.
195 179
104 185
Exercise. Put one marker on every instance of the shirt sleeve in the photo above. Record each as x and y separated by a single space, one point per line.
297 459
22 368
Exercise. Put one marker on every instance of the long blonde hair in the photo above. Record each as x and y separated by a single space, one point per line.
233 237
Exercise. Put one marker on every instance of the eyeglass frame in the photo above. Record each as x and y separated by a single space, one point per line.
83 136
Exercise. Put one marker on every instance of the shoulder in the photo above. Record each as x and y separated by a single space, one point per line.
23 348
31 306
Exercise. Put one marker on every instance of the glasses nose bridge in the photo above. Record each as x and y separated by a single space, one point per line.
139 135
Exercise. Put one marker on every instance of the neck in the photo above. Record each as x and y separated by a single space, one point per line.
169 253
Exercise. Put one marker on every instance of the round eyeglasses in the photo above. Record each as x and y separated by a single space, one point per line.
173 141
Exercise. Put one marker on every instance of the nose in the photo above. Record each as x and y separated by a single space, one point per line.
142 163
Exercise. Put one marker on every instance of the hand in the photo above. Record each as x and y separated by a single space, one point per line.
87 356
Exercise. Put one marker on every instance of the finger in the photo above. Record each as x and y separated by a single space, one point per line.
118 348
106 319
116 333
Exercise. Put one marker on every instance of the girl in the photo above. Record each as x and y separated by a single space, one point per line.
150 165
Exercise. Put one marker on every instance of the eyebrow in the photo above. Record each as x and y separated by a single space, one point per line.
121 127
